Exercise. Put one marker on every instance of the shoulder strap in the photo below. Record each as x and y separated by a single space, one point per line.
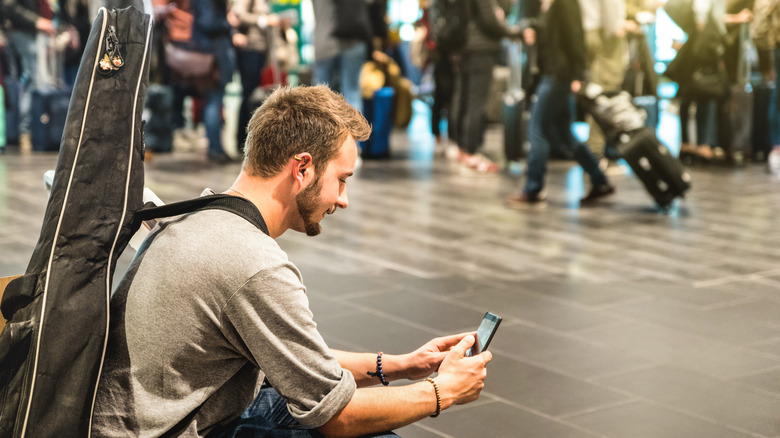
234 204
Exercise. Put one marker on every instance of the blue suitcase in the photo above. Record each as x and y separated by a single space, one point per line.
379 111
49 109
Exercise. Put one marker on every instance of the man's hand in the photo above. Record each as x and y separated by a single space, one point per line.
462 378
576 86
46 26
424 361
529 36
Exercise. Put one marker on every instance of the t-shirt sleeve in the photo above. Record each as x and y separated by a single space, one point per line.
271 317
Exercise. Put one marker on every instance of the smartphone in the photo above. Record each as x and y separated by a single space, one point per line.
485 333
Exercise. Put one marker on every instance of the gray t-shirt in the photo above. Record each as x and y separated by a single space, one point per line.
209 307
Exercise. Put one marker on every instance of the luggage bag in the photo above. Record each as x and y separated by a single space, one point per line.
158 115
379 112
49 109
662 174
515 116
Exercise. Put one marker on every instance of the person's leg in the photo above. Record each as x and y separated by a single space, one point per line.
773 159
479 69
352 61
455 113
212 119
250 63
706 127
539 154
24 46
323 72
268 416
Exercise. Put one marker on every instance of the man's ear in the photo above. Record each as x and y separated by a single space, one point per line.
302 167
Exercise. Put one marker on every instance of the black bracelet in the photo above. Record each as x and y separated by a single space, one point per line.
379 372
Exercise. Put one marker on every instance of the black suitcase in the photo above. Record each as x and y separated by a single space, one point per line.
49 109
662 174
158 115
514 115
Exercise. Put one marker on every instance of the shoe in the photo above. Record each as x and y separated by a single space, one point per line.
773 161
524 201
597 193
481 164
221 158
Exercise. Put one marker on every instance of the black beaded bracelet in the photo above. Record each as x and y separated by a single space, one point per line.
379 372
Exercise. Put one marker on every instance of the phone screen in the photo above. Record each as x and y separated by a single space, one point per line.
485 333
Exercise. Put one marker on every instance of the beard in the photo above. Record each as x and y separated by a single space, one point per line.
307 202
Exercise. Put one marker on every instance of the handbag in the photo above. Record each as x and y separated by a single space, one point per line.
188 63
351 20
708 83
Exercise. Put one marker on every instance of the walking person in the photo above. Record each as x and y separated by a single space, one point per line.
562 63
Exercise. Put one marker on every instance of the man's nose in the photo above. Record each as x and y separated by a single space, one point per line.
343 200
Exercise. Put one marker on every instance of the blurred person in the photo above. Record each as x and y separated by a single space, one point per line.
338 60
766 35
211 32
253 20
486 27
563 65
229 346
606 48
699 70
29 18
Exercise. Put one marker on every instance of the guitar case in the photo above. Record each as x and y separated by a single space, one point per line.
52 348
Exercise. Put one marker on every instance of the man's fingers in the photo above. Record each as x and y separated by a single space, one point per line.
447 342
463 345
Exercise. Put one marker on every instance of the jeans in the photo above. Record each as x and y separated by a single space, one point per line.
550 125
342 73
268 416
24 46
774 103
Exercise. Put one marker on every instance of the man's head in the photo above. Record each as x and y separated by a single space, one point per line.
310 132
300 119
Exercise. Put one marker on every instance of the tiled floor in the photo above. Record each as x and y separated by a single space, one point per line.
619 320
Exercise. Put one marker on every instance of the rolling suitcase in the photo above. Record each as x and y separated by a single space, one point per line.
379 111
49 102
158 115
49 109
515 117
662 174
741 103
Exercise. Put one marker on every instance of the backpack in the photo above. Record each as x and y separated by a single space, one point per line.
449 20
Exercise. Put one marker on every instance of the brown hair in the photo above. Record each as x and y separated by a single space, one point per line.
300 119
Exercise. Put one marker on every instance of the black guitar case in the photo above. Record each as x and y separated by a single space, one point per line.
52 348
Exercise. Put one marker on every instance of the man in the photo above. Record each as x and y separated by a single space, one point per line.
211 307
563 68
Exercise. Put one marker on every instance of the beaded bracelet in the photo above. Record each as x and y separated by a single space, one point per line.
438 397
379 372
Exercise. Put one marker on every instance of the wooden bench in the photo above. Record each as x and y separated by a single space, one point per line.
3 283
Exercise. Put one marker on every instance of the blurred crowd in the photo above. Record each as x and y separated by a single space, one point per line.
724 71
